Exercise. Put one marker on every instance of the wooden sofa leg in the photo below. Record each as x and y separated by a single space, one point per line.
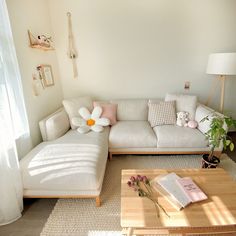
110 156
98 201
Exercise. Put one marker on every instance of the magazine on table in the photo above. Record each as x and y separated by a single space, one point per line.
180 192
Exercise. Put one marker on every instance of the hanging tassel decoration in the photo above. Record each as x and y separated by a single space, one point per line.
72 54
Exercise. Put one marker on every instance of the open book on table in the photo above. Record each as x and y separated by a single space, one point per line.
180 192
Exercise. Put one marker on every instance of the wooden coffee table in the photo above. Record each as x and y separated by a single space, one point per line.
217 214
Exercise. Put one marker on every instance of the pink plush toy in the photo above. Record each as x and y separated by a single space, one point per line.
192 124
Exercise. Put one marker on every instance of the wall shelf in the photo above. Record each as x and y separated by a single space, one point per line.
41 47
38 44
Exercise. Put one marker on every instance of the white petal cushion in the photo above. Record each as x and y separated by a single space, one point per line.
77 121
180 137
97 112
131 109
126 134
73 162
184 103
84 113
73 105
102 121
97 128
83 129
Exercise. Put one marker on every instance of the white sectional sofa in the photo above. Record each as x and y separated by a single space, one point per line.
70 164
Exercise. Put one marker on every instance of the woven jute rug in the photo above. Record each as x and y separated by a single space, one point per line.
80 217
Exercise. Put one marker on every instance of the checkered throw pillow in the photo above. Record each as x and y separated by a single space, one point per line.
162 113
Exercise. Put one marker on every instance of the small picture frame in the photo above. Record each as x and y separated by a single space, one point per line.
45 72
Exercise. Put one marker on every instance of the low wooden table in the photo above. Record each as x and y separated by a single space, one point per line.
217 214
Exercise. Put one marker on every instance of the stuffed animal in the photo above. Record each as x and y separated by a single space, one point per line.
90 121
192 124
182 118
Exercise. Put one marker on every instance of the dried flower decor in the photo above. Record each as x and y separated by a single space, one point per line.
141 185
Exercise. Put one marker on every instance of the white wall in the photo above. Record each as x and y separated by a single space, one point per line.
144 48
34 15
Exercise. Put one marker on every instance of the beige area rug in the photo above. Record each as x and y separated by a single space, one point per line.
80 217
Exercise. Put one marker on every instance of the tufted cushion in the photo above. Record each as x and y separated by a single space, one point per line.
184 103
131 109
129 134
73 105
180 137
161 113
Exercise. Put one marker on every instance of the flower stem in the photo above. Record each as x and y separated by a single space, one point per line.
147 189
160 206
157 210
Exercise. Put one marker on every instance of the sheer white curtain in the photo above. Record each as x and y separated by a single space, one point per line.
13 124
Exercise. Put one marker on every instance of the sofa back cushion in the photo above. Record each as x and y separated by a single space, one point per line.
54 125
73 105
131 109
184 102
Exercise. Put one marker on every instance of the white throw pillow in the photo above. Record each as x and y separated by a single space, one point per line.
184 102
90 121
201 113
73 105
161 113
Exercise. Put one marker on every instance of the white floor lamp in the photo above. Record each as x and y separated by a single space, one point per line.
221 64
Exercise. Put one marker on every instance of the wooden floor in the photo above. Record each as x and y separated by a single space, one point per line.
35 214
37 211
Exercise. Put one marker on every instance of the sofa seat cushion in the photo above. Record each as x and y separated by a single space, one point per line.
130 134
73 162
175 136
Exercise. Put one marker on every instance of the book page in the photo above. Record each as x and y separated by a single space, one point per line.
168 182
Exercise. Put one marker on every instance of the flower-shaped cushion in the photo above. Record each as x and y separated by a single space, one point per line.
90 121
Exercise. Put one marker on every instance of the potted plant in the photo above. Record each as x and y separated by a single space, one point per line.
216 135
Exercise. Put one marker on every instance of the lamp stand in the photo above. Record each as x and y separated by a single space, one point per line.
222 77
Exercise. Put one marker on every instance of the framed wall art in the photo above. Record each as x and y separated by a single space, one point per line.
45 72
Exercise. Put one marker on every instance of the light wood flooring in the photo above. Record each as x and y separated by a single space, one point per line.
36 212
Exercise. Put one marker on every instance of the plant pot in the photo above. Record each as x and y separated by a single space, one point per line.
206 163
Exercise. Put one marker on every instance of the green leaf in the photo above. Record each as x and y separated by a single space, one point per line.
231 147
228 142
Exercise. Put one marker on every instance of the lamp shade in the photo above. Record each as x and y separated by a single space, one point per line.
221 64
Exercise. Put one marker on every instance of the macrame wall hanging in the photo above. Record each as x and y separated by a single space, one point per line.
72 54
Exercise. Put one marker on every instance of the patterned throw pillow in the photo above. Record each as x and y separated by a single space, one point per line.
162 113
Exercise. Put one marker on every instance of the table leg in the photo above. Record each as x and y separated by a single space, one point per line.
130 231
